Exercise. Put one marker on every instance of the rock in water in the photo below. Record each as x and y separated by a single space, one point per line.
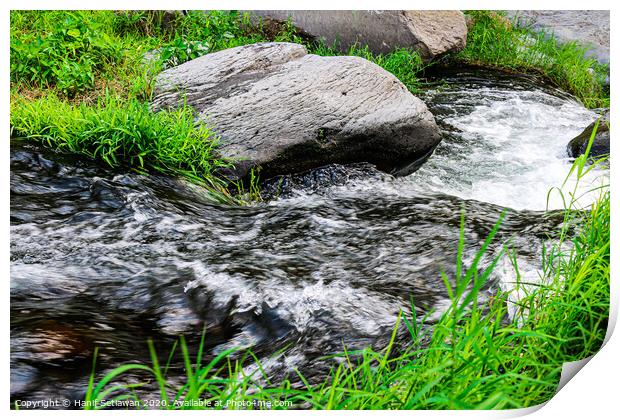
430 32
600 144
277 107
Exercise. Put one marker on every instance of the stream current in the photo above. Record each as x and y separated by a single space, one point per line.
106 259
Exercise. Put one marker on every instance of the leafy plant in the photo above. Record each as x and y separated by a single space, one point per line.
180 50
68 57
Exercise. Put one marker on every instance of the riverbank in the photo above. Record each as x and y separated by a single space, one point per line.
97 59
495 42
153 257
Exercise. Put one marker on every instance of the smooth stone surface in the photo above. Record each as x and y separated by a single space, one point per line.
430 32
279 108
600 144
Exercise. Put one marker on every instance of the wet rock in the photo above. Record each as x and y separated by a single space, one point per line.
430 32
588 27
277 107
318 180
600 144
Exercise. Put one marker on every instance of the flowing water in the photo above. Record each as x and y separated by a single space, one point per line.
107 259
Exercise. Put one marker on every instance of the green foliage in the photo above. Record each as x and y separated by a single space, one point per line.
191 35
146 23
179 51
68 56
215 26
493 41
124 133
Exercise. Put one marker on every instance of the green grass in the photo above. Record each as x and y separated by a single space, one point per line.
67 57
76 55
125 134
491 42
474 357
82 55
95 59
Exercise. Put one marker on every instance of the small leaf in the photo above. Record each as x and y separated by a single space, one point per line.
74 32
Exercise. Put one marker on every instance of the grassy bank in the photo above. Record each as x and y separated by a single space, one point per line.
474 358
79 84
94 61
125 134
493 41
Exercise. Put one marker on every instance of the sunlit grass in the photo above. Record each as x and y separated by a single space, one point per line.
125 134
493 42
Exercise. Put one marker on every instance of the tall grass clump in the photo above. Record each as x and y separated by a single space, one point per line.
123 134
493 41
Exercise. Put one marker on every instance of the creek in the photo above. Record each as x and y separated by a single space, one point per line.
108 259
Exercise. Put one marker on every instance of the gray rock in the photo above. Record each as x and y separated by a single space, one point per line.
430 32
280 108
600 144
588 27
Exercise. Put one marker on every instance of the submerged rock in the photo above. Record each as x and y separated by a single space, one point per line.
600 144
277 107
430 32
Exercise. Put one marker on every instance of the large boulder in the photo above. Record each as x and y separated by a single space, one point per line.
279 108
600 144
430 32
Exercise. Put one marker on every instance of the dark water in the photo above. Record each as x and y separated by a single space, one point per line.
106 259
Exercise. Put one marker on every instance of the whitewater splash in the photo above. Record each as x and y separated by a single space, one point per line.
504 143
